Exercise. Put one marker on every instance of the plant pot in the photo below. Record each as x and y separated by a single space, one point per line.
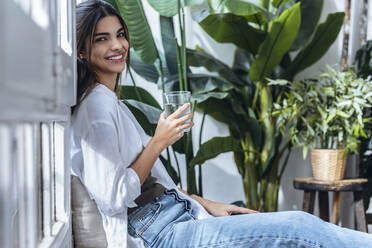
328 164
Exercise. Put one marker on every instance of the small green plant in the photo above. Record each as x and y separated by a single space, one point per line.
326 113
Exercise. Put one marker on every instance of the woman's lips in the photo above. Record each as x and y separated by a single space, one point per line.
116 58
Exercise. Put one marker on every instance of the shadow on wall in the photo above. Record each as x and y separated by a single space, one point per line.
221 180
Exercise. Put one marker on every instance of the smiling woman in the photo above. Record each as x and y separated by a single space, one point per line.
102 47
119 165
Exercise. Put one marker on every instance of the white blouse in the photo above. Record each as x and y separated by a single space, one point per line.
106 139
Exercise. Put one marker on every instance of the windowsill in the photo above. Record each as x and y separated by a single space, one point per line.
58 237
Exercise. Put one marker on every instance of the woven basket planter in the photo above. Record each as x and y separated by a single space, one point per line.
328 164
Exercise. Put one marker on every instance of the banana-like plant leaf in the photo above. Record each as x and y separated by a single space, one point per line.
144 114
200 83
148 72
255 129
310 14
205 96
220 110
278 3
215 146
247 9
363 61
239 162
325 34
282 33
140 33
242 65
169 8
171 171
139 94
167 37
229 28
152 114
200 58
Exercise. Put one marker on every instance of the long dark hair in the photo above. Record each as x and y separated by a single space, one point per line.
88 14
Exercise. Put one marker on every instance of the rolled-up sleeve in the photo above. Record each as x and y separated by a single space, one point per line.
113 185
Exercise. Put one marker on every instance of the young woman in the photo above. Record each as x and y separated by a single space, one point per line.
119 166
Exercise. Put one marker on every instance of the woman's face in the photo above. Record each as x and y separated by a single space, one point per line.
109 47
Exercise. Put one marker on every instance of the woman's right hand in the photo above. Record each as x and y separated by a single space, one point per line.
170 129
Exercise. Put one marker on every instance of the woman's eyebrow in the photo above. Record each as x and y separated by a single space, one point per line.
97 34
106 33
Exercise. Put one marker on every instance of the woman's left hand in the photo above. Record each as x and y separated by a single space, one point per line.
222 209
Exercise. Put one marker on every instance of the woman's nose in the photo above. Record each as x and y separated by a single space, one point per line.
116 44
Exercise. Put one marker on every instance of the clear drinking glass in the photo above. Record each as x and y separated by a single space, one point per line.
172 100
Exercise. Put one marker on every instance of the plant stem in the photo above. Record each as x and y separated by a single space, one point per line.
168 162
200 166
161 75
250 180
178 167
180 83
284 165
180 53
183 50
258 86
135 86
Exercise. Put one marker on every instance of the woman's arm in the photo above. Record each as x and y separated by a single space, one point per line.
168 131
219 209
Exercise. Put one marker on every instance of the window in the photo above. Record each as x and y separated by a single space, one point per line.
38 88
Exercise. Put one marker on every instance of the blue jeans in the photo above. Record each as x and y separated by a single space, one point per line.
168 222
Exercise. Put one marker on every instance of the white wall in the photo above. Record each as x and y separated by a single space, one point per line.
221 180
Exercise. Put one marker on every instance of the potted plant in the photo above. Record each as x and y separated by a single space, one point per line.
325 115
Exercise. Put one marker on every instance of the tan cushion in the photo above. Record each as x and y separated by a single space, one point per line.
87 228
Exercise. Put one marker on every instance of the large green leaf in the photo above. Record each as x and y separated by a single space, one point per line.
229 28
169 8
245 8
139 94
167 37
281 35
146 115
242 65
199 98
221 110
214 147
278 3
325 34
199 58
363 60
310 14
152 114
255 129
200 83
148 72
171 171
140 33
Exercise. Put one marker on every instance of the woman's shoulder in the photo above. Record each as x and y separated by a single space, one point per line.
100 105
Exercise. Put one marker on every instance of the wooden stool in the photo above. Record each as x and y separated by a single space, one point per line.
310 186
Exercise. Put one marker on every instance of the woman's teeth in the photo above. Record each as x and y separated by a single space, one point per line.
116 57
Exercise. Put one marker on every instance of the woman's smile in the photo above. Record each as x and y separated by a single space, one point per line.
117 58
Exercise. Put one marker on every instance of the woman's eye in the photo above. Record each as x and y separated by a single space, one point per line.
122 34
100 39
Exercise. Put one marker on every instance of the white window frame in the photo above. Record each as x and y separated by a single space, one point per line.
35 122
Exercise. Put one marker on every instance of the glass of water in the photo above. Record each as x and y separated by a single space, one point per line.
172 100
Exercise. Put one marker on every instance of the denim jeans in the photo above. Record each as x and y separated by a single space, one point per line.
168 222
